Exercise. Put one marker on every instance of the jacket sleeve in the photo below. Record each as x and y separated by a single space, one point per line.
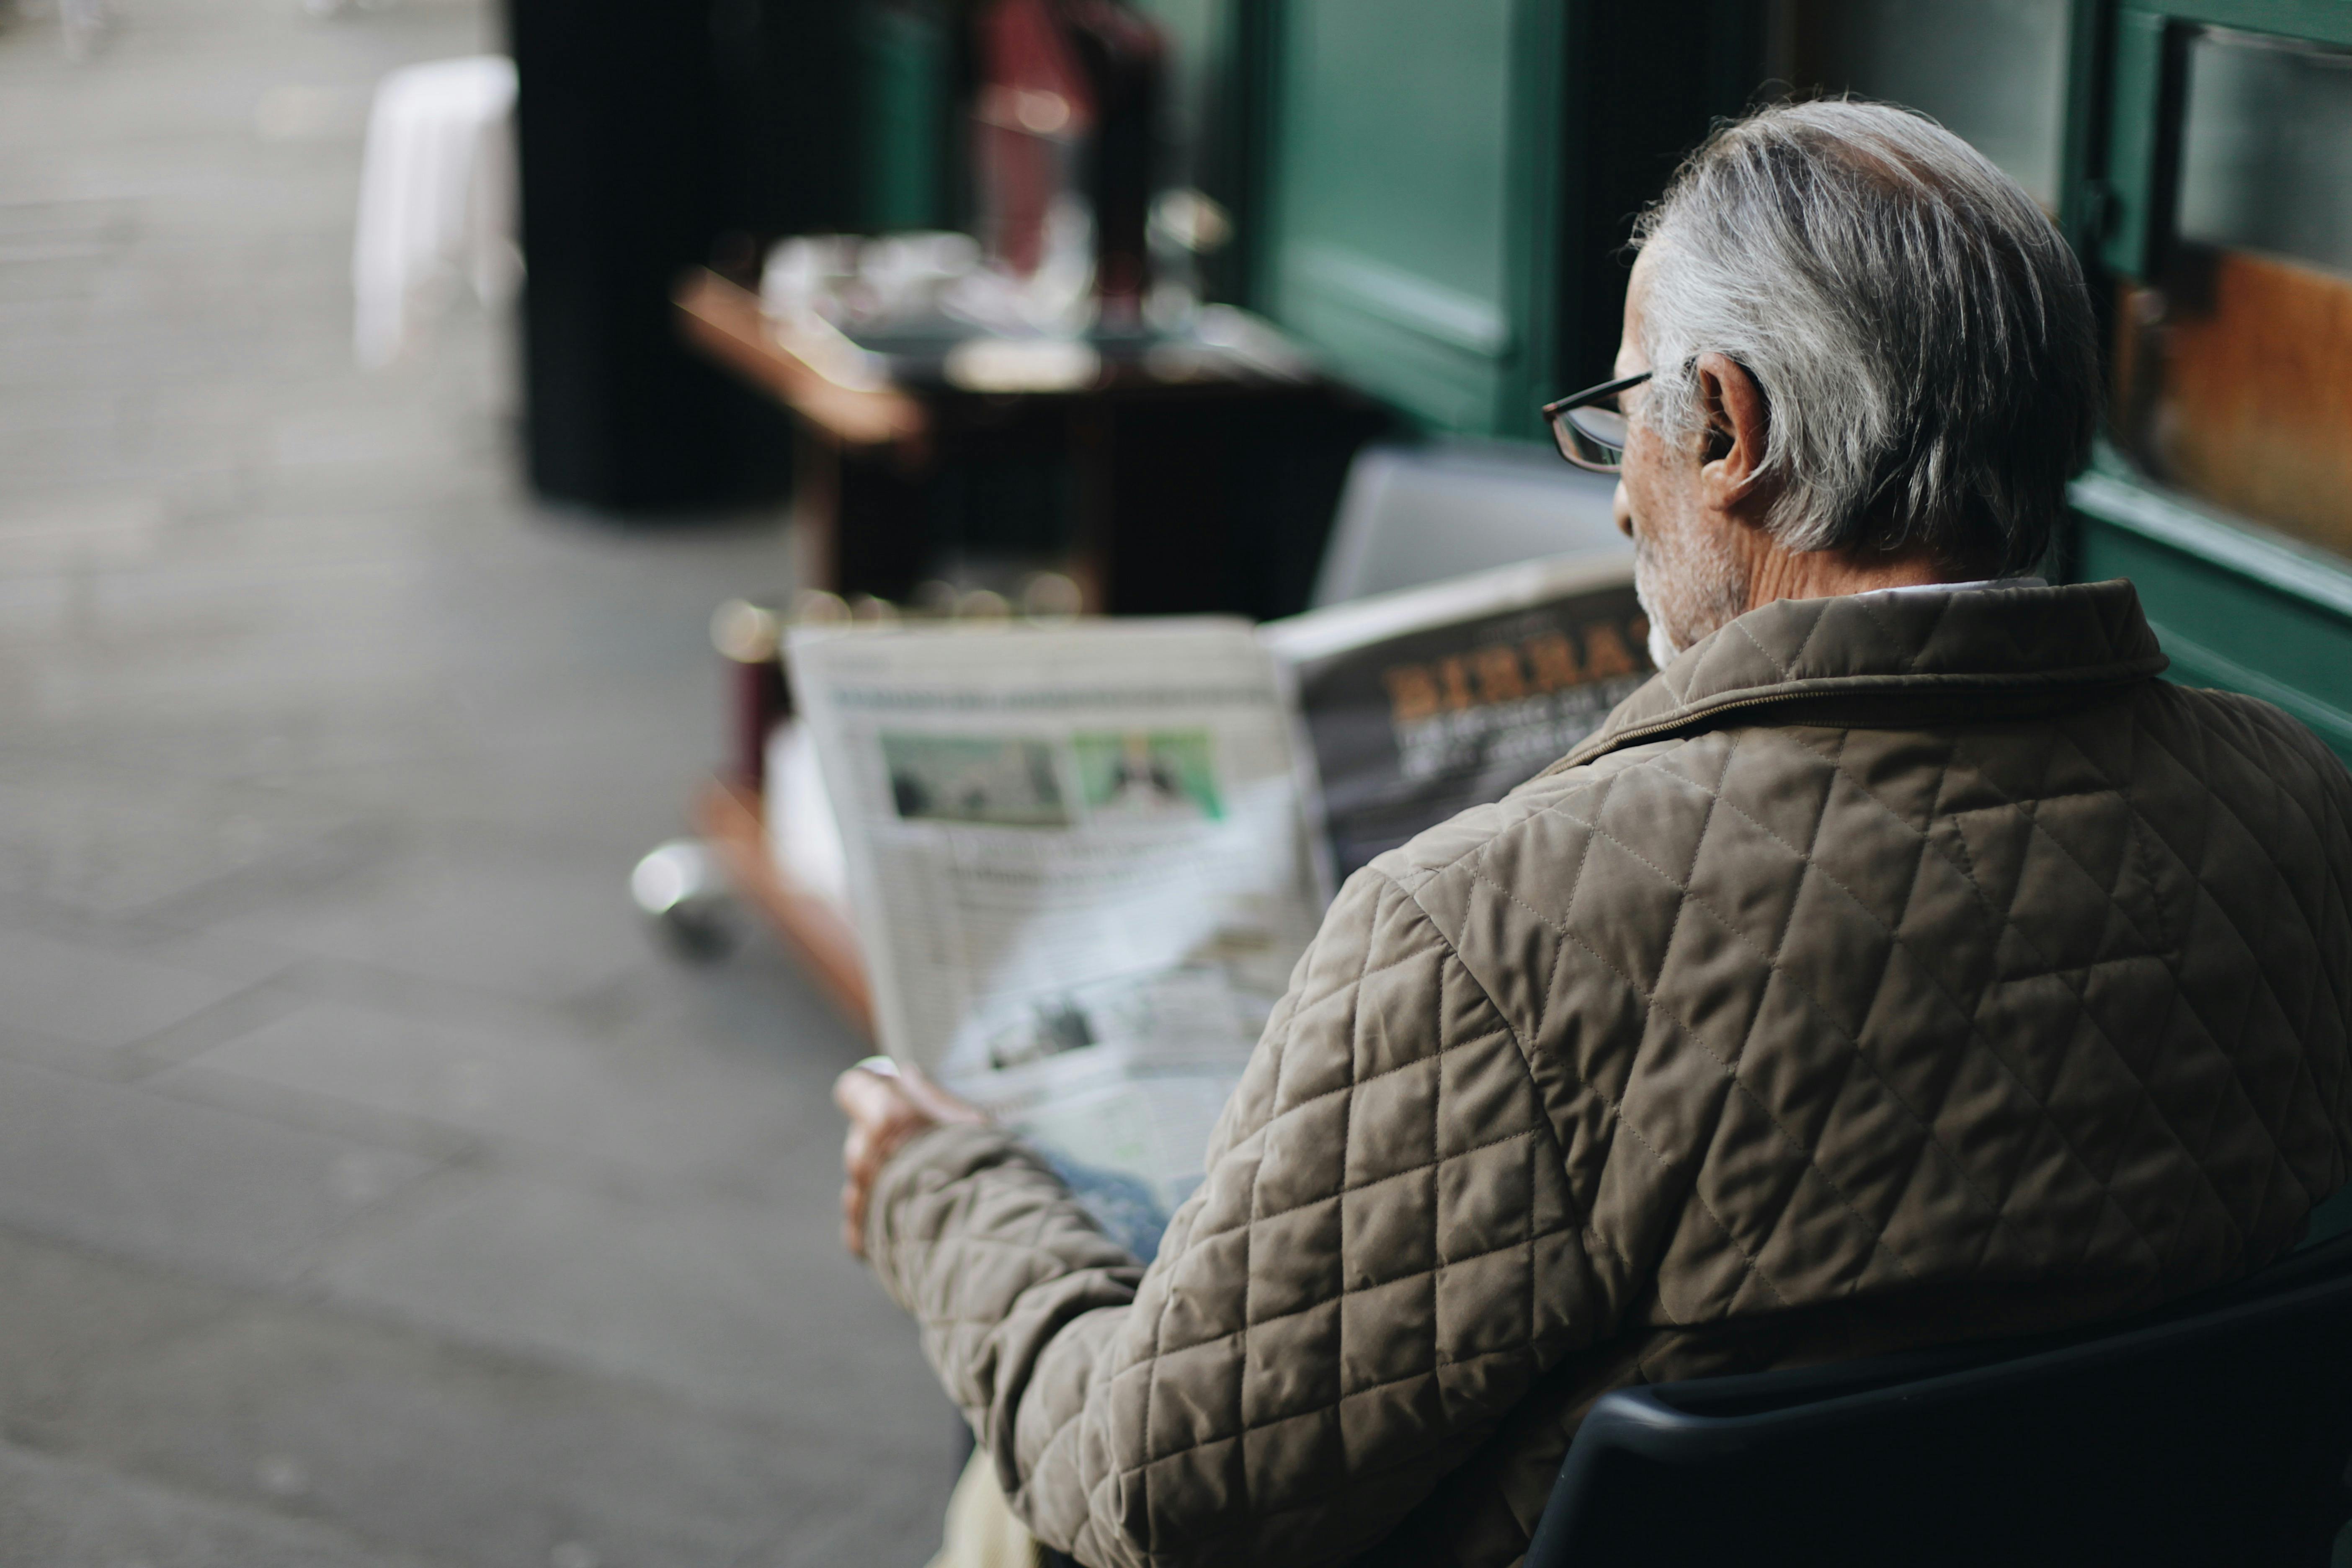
1382 1258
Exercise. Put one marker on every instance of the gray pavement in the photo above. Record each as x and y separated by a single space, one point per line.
372 1190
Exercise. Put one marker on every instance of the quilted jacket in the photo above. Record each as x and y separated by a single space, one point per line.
1890 969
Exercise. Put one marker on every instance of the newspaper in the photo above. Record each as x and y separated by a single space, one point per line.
1083 861
1080 865
1422 703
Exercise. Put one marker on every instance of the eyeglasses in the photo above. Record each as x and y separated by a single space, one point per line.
1590 427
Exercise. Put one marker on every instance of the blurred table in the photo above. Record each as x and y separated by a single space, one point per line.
1167 472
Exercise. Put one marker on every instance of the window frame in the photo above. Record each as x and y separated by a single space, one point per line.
2236 604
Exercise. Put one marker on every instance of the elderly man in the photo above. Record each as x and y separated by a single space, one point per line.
1904 963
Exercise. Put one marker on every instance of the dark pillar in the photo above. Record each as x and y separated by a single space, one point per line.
629 173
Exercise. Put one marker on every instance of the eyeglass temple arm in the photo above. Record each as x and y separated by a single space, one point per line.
1593 394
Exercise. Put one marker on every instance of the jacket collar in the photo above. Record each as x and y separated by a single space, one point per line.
2027 641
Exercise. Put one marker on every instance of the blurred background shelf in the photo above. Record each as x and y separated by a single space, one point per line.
725 321
1167 473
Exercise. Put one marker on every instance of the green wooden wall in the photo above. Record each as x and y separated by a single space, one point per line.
1410 210
2235 608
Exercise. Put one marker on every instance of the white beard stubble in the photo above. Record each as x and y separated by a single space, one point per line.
1690 588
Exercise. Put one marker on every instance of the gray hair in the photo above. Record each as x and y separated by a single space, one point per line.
1921 332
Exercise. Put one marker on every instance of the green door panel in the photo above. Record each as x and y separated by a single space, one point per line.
1396 220
1393 108
2233 607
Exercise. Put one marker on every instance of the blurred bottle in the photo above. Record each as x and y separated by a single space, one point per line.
1124 58
1032 111
1067 120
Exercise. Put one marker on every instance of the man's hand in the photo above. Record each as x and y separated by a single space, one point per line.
885 1105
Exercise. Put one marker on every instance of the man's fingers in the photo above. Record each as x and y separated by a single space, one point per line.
934 1101
884 1111
864 1153
853 1218
864 1096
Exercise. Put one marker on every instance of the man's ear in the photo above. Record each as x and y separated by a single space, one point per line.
1739 422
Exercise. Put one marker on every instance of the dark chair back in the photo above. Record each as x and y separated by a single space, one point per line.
2212 1435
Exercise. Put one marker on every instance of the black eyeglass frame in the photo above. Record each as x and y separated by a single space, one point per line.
1565 430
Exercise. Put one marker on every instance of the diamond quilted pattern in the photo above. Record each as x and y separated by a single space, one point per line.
1783 1021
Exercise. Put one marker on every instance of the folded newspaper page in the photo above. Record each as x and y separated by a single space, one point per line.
1422 703
1080 864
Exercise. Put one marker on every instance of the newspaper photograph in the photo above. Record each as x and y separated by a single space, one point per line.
1079 862
1422 703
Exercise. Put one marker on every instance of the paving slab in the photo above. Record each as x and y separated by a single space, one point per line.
537 1083
736 1304
538 926
93 995
64 1515
117 1166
